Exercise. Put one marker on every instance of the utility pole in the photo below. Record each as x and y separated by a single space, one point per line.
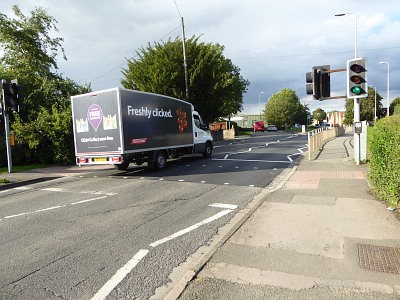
6 127
184 60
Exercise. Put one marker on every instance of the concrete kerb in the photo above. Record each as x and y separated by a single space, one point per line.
184 273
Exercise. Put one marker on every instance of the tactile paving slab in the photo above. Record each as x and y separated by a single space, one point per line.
379 258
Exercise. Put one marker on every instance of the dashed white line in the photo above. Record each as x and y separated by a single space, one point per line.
88 200
53 207
49 208
18 215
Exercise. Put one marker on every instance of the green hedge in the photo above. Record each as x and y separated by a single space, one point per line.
384 156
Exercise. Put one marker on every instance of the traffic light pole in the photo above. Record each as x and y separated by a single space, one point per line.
7 131
334 71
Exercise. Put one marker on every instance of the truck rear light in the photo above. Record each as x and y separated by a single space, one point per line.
116 159
82 160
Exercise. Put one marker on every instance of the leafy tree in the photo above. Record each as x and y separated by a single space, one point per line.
319 115
283 108
215 85
394 107
302 114
29 53
367 108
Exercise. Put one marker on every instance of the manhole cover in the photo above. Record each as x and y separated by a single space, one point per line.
379 258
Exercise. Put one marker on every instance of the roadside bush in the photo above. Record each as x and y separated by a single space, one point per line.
384 152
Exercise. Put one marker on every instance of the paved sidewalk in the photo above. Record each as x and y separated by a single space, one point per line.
320 236
38 175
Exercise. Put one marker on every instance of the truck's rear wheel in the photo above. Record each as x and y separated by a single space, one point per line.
207 151
160 160
122 166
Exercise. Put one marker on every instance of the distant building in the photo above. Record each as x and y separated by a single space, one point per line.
335 118
247 121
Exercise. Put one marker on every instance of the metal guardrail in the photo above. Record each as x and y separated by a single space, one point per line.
317 137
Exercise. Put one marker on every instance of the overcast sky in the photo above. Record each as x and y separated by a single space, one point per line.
274 43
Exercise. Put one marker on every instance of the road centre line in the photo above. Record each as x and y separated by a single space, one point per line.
52 208
88 200
120 275
49 208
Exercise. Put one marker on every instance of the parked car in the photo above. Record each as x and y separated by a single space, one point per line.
272 128
259 126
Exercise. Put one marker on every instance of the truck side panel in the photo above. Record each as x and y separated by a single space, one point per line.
152 121
97 124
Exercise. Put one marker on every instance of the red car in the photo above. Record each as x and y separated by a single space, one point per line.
259 126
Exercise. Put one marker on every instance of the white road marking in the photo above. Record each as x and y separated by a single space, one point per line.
88 200
255 160
49 208
22 188
191 228
295 154
120 275
55 190
221 205
18 215
254 147
53 207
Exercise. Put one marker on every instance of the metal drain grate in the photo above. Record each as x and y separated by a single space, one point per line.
379 258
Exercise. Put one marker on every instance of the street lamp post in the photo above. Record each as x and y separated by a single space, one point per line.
355 31
259 103
388 86
356 100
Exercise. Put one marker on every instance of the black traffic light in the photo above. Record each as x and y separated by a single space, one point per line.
357 83
12 96
319 82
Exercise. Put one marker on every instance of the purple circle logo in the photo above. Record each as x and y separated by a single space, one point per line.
95 115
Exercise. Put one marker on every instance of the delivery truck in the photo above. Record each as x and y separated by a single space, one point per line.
120 126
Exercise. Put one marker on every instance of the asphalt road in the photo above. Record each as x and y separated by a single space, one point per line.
254 161
120 235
